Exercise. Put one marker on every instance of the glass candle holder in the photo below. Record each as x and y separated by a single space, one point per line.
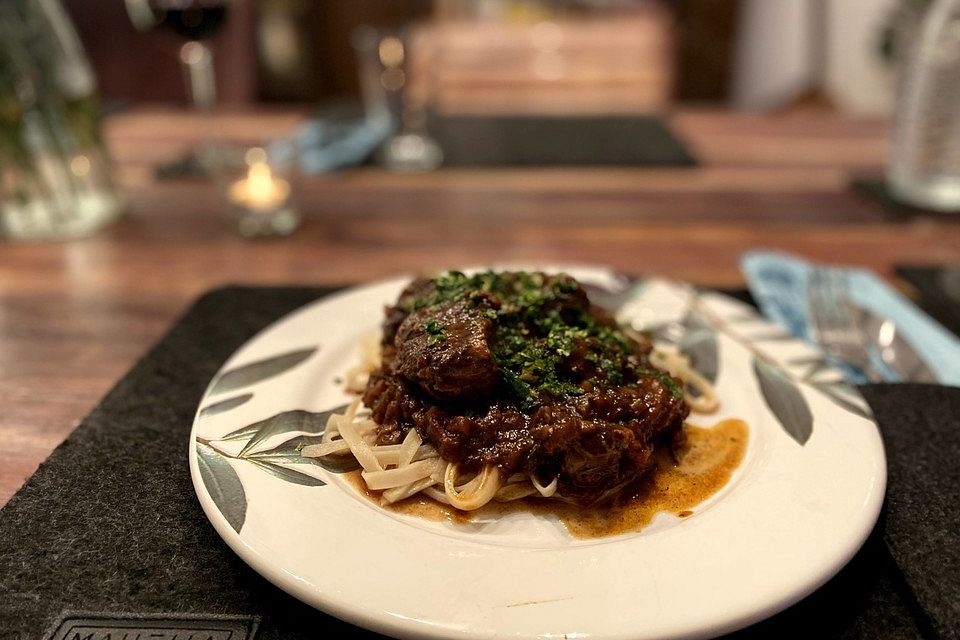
260 196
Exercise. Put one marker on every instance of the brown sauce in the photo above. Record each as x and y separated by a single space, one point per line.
704 465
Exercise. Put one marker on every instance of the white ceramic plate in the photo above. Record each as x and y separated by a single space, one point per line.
796 510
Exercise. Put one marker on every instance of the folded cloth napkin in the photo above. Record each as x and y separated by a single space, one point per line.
324 144
778 282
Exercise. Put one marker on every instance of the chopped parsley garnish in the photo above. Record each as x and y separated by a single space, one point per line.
434 331
538 331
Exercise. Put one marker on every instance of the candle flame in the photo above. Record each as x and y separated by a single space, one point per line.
260 190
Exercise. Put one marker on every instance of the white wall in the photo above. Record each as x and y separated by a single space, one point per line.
856 76
772 63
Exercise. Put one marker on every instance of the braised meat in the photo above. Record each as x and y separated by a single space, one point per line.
518 370
446 351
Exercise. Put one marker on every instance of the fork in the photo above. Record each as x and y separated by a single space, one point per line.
834 322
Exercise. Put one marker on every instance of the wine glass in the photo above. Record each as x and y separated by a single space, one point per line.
388 95
195 21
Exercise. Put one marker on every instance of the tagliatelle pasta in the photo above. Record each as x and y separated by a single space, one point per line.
403 470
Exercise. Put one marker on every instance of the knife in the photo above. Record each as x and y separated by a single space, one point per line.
887 343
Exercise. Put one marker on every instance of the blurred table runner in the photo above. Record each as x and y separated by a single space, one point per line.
336 140
541 140
109 535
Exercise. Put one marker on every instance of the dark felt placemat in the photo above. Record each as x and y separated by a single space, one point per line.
876 187
110 525
939 292
640 140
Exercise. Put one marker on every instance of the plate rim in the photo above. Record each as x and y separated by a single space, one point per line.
394 626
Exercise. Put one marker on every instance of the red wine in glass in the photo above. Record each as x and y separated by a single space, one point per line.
195 21
190 19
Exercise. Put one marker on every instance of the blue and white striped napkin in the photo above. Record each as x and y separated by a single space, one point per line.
778 282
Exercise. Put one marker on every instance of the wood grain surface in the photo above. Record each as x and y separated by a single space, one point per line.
75 315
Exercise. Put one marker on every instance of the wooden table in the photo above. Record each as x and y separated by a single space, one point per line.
75 315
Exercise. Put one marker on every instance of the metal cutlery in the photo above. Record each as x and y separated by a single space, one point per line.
895 352
834 324
857 337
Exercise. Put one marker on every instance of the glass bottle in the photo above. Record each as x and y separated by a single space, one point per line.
55 176
924 168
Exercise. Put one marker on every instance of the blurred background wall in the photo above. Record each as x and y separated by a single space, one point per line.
752 54
780 42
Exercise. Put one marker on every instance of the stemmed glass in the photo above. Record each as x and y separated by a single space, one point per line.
196 21
389 96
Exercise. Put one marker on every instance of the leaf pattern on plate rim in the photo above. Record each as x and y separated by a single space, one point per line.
613 297
289 453
223 485
288 474
776 380
699 344
785 400
296 420
841 394
249 374
694 320
224 405
221 480
286 422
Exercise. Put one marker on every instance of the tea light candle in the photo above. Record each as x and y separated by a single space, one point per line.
260 190
261 199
